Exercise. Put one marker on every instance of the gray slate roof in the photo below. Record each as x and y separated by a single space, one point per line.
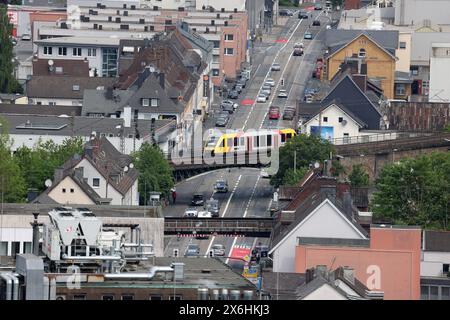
40 109
340 106
335 39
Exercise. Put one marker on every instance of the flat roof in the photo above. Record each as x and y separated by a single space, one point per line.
107 41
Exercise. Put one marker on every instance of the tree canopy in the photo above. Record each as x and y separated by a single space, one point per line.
155 173
415 192
8 84
358 176
306 149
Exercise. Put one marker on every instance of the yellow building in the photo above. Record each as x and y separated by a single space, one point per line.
371 59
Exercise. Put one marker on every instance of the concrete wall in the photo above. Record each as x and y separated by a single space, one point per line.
432 263
379 63
439 71
63 194
409 12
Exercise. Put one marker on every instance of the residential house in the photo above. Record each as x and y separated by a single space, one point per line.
27 129
389 261
320 208
373 51
340 284
101 175
41 90
434 265
13 99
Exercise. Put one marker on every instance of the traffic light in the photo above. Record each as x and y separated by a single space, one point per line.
282 82
175 253
211 253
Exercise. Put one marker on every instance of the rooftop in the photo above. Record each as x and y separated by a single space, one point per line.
78 40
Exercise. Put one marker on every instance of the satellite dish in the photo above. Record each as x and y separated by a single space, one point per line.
50 62
344 122
125 169
316 165
131 165
48 183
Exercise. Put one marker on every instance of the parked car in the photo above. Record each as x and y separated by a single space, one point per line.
242 81
318 6
221 186
276 67
284 12
229 106
198 200
262 97
282 94
328 27
316 23
270 82
299 45
13 40
218 250
238 87
308 35
303 14
204 214
190 213
192 250
233 94
222 121
274 113
26 37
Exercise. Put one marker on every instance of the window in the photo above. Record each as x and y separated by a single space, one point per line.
346 138
424 292
15 248
3 248
26 247
216 44
80 296
52 103
400 90
127 297
109 63
229 37
434 293
414 70
402 45
48 51
176 297
72 190
64 190
445 268
76 52
154 102
228 51
215 72
341 119
108 297
92 52
269 140
362 53
62 51
256 142
325 119
216 58
155 297
445 293
145 102
96 182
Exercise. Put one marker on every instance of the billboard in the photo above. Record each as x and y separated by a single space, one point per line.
13 18
324 132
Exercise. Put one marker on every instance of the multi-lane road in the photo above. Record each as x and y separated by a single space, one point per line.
249 194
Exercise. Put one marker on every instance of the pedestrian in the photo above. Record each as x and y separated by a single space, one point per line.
174 196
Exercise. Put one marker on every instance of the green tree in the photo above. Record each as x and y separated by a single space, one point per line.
39 164
358 177
415 192
155 172
292 177
8 84
305 149
337 169
12 184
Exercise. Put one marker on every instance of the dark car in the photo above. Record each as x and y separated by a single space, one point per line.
238 88
192 250
274 113
318 6
222 121
242 82
198 200
316 23
308 35
303 14
288 113
284 12
233 94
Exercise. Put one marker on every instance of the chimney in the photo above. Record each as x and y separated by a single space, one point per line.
321 270
347 203
162 80
58 175
36 236
349 274
361 81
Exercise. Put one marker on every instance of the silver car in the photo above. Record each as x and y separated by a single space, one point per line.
270 82
276 67
192 250
218 250
261 98
282 94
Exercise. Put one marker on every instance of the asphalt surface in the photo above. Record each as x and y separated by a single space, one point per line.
250 195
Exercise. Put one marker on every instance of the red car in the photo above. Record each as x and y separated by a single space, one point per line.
274 113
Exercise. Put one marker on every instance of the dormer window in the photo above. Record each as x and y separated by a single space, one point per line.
362 53
150 102
145 102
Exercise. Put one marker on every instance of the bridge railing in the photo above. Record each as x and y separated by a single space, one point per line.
378 137
217 224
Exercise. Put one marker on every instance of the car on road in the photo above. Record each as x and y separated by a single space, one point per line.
197 199
204 214
316 23
328 27
26 37
228 105
318 6
270 82
190 213
308 35
233 94
266 92
212 206
218 250
285 12
274 113
192 250
282 94
242 81
262 97
288 113
303 14
276 67
221 186
222 121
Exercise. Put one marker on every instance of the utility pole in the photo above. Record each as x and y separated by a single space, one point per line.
295 161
